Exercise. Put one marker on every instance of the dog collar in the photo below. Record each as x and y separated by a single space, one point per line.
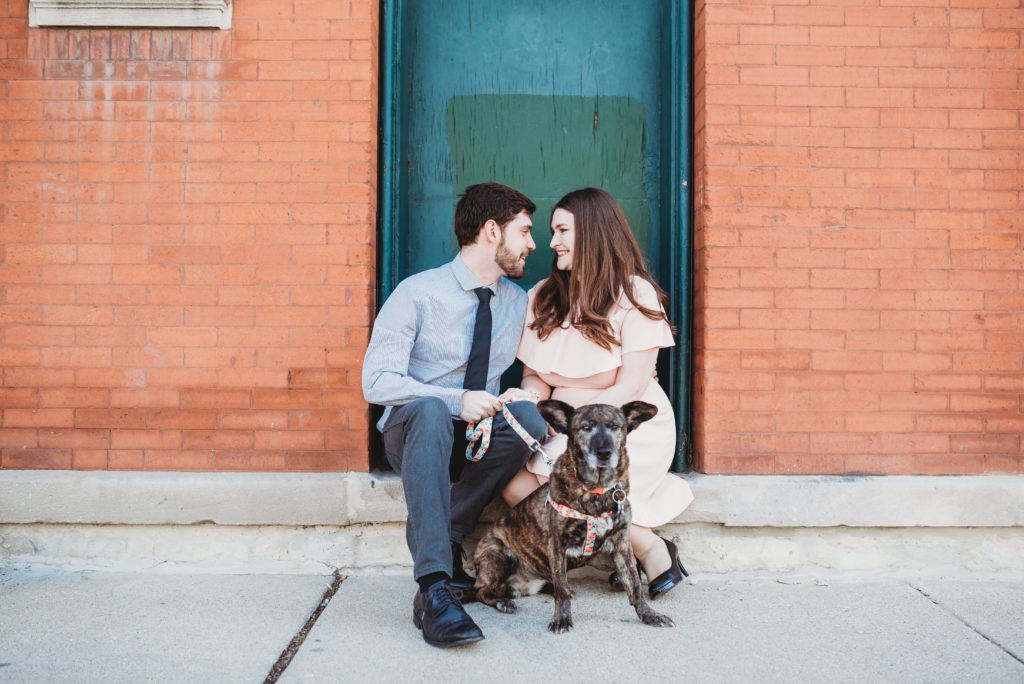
592 521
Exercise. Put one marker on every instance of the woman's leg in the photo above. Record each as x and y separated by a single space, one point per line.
650 550
521 486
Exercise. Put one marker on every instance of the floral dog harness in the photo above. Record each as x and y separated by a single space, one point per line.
592 523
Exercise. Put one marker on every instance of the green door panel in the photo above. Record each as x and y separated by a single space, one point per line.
544 96
546 145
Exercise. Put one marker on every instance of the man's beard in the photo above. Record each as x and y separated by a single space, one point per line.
509 262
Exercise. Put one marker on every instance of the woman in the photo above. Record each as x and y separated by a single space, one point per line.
593 330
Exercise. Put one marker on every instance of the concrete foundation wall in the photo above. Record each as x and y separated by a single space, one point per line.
258 522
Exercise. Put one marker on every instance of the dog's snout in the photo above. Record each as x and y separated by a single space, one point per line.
602 446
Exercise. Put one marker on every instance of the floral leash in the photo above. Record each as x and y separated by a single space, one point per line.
481 432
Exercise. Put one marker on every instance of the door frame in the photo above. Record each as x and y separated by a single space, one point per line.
676 190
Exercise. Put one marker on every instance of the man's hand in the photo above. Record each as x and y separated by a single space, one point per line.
477 405
517 394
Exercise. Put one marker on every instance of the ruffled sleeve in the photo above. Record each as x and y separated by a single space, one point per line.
638 332
565 352
568 353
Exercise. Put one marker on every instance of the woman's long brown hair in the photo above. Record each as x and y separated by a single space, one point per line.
605 258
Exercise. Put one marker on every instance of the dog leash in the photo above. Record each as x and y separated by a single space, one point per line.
481 432
592 520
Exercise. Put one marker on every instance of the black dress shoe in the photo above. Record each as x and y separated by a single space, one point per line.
460 578
443 620
663 582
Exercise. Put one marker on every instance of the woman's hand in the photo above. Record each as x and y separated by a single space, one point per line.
518 394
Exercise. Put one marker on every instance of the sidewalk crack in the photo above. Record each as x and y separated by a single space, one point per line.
293 646
967 624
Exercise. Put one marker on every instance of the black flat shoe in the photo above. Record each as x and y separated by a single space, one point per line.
669 579
443 620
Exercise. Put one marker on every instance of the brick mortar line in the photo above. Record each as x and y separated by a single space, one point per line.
967 624
295 644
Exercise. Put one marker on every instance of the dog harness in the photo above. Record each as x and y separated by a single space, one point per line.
592 520
481 432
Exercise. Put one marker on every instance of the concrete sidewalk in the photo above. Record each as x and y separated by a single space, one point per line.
148 627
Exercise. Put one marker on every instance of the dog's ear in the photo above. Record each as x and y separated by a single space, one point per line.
557 413
637 412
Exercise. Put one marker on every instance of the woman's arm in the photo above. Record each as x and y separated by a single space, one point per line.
532 383
532 388
634 375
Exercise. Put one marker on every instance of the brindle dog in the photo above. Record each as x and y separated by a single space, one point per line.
537 540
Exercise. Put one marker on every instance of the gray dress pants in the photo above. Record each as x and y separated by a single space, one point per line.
418 441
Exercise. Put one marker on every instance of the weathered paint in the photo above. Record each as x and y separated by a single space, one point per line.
545 145
489 94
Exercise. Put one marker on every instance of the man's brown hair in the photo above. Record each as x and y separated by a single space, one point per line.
485 201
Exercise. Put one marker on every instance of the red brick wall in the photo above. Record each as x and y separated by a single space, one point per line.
186 269
187 264
860 168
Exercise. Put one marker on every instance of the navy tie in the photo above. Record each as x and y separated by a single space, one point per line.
480 350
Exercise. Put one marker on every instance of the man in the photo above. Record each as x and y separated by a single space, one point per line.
439 346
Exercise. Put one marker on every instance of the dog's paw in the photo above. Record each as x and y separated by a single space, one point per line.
506 606
560 625
657 620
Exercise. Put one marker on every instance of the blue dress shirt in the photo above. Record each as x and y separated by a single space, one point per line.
422 335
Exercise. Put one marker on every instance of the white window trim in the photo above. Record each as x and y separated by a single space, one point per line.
117 13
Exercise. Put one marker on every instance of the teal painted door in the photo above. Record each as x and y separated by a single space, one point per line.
545 97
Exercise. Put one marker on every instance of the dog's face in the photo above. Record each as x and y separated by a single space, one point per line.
597 433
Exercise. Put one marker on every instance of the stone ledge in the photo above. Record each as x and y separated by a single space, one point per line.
857 501
339 499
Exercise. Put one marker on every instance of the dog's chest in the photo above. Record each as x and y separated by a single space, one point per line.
585 538
600 529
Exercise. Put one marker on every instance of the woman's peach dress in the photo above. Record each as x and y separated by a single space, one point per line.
578 370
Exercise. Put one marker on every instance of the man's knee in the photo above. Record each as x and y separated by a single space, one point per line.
424 437
430 411
527 415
